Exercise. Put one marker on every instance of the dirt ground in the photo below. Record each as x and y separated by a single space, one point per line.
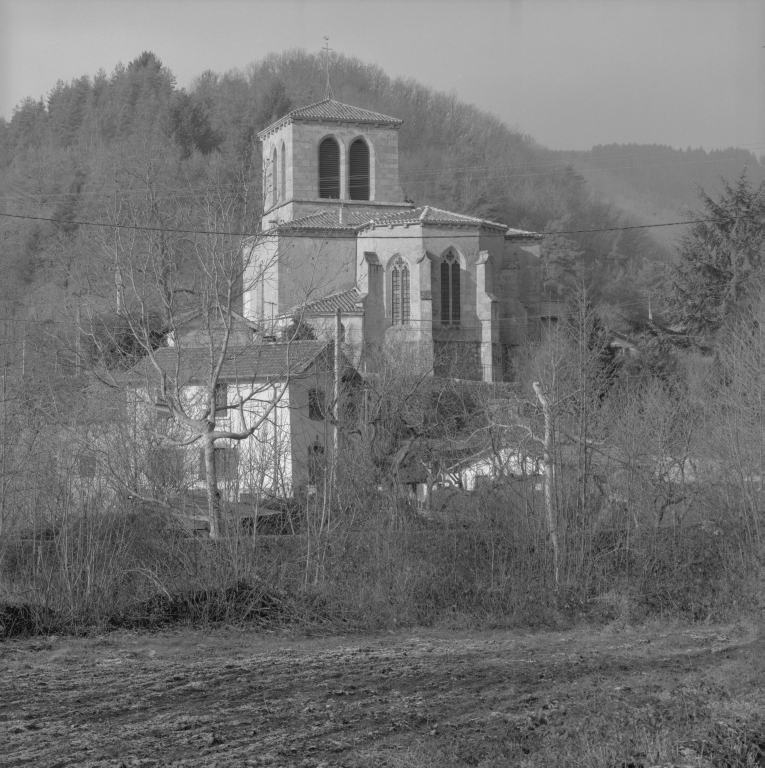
659 695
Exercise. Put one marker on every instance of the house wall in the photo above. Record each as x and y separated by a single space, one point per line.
506 463
274 458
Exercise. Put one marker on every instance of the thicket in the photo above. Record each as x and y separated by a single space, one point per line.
654 507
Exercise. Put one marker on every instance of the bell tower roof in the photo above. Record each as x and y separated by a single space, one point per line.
330 111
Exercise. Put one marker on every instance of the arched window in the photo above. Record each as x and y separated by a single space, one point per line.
450 290
329 169
358 170
274 178
283 175
399 293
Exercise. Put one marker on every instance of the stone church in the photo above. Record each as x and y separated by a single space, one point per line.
444 291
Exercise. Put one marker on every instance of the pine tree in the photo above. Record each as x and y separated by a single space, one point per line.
719 259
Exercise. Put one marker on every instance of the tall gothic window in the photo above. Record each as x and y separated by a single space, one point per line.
358 170
450 290
399 294
283 175
274 178
329 169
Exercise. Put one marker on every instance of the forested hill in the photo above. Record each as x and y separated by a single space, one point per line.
65 156
659 183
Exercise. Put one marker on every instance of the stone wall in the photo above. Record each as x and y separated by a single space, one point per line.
301 144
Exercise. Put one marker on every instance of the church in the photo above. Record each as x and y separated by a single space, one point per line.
442 291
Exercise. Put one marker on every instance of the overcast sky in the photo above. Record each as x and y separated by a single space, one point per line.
571 73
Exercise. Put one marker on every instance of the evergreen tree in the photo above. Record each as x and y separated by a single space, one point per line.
718 260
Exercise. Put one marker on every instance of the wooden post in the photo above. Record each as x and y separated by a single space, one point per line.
552 522
338 384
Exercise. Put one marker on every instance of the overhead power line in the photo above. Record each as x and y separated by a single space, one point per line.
412 320
267 233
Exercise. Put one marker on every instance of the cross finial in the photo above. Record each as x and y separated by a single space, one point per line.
328 90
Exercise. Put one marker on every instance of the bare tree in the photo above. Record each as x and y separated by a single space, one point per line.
161 302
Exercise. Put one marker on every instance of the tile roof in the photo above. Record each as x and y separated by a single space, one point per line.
346 301
429 215
255 361
323 220
553 308
333 111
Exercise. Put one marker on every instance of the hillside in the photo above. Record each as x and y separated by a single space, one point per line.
71 156
657 183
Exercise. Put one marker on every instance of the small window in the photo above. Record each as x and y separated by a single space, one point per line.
450 290
221 401
400 304
315 464
162 408
86 465
358 170
165 466
226 464
316 404
329 169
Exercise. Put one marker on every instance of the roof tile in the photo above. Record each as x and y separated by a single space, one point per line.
333 111
324 220
429 215
255 361
345 301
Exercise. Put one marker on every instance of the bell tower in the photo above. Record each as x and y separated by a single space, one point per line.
327 156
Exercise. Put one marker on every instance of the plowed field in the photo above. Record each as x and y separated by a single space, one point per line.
687 696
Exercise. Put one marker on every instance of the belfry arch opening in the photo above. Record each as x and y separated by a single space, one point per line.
359 171
329 169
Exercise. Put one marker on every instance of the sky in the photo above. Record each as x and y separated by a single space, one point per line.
570 73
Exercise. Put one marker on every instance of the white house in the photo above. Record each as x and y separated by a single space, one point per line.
289 382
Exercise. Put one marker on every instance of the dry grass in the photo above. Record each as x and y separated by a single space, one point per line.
111 571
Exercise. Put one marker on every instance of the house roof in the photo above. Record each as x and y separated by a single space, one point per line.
255 361
345 301
429 215
553 308
332 111
622 340
193 314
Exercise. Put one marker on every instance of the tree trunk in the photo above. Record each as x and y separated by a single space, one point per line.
211 478
552 522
